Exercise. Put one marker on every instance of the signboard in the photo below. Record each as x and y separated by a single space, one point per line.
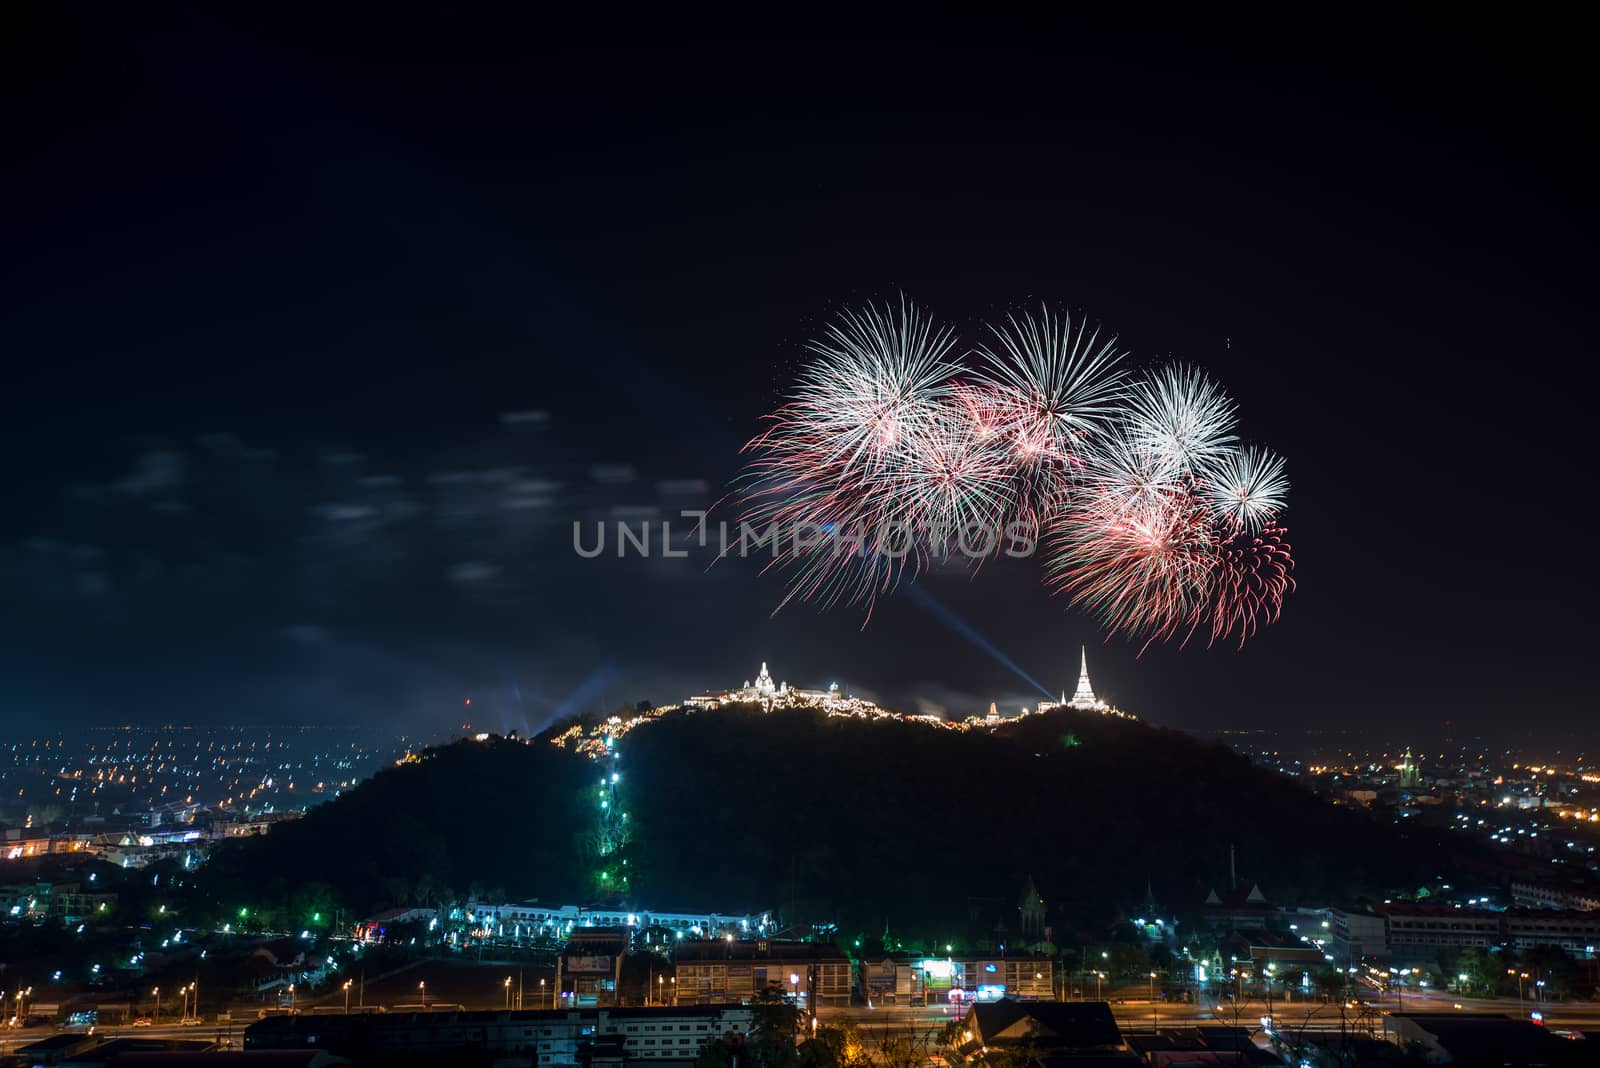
588 965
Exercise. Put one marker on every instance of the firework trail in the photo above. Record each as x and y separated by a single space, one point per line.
1152 513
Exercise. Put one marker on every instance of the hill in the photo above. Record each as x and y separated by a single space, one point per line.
861 822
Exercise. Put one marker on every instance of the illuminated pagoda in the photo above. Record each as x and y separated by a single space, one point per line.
1083 699
764 686
1410 772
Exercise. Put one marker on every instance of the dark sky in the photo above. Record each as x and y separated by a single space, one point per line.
318 337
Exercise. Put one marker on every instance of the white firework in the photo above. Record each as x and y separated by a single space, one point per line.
1246 487
1058 385
1125 476
1180 414
877 384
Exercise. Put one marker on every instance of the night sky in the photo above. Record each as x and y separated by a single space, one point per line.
318 337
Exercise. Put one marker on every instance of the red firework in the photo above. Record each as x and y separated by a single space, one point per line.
1146 569
1253 574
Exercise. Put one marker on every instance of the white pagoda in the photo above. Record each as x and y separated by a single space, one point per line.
1083 699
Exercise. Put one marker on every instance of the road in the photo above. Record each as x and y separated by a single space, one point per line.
925 1023
1288 1017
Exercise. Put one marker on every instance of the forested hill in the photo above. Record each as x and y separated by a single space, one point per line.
860 822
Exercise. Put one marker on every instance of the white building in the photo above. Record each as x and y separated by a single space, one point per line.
542 922
772 695
550 1038
1083 698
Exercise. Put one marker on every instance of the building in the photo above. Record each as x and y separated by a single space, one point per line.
1575 930
376 928
70 902
590 967
1474 1038
1244 908
1083 698
901 979
551 1038
770 695
548 922
1047 1029
1264 950
814 974
19 844
1542 896
1356 935
1414 932
1410 772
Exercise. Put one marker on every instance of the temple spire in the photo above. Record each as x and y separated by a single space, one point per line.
1083 697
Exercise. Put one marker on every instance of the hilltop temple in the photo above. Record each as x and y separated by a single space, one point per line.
769 694
1083 698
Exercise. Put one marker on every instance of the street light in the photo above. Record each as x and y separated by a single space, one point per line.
291 999
422 986
347 983
541 994
156 993
507 985
1520 977
1097 977
1155 1013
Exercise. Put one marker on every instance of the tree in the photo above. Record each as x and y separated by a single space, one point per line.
772 1032
908 1049
1329 983
835 1046
715 1054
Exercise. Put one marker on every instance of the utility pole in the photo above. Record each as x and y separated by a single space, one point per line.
1155 1013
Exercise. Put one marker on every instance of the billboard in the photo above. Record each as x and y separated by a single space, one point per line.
588 965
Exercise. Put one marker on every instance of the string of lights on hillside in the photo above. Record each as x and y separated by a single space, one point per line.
767 696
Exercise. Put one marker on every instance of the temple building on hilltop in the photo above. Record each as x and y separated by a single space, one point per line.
1410 772
770 695
1083 699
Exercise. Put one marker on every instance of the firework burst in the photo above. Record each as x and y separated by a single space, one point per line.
1252 575
1246 487
1180 415
1146 569
1054 391
1154 517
